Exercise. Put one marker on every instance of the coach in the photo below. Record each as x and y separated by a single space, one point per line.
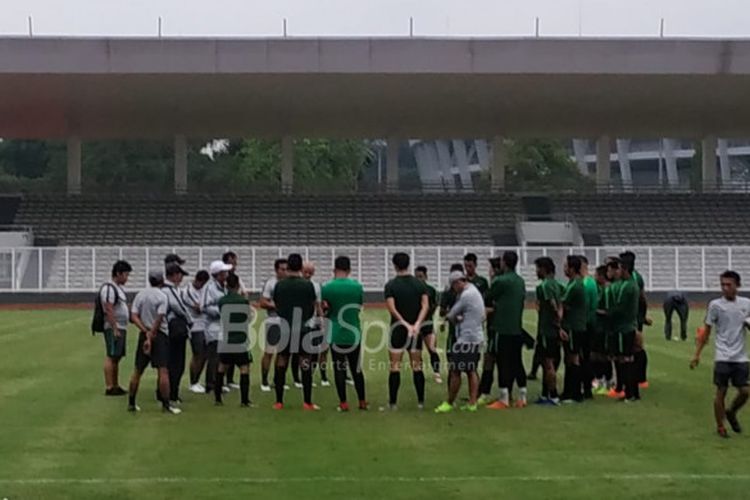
179 322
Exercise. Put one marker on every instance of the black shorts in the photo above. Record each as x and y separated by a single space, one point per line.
273 335
575 343
114 346
726 371
159 355
198 343
400 340
305 342
235 358
549 347
464 357
492 343
599 342
621 344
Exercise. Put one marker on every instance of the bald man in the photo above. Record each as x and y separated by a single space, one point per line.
308 272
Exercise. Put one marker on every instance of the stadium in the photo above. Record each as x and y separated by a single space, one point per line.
399 154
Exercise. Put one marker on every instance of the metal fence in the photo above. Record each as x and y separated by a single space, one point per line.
83 269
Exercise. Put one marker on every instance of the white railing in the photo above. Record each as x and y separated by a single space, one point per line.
83 269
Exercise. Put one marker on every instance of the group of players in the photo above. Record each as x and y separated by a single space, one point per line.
593 323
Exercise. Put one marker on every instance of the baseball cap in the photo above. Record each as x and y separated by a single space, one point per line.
456 276
218 266
155 276
174 267
173 257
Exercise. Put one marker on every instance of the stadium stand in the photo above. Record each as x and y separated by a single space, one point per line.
270 220
666 219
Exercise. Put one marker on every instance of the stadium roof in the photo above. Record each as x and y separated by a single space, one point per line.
405 87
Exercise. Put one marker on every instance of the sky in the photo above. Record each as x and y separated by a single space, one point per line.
252 18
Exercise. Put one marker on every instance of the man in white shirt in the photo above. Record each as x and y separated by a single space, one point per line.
114 303
468 314
214 292
192 296
728 315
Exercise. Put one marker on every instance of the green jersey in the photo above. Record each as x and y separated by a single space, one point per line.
506 296
624 306
447 299
591 287
239 317
481 283
548 294
294 298
432 297
642 303
575 312
344 297
406 292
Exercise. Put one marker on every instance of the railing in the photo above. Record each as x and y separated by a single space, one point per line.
83 269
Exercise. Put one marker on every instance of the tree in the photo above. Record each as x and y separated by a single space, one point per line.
543 165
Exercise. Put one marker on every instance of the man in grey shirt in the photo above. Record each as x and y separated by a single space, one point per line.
728 315
149 315
114 304
468 314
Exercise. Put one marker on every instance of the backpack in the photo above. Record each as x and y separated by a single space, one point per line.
97 322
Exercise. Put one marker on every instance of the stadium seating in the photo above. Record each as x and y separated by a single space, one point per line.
269 220
650 219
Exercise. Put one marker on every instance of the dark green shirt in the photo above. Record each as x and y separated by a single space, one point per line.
642 303
406 292
432 297
506 296
344 297
238 319
592 298
624 307
447 299
295 294
575 312
481 283
548 294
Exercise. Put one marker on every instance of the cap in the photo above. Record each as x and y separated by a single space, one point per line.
218 266
174 267
456 276
155 276
173 257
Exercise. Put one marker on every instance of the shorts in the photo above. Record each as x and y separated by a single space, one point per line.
273 334
114 347
575 343
492 343
198 343
235 358
599 342
306 342
621 344
464 357
159 355
726 371
400 340
549 347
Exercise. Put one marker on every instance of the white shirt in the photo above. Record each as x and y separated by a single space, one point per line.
470 306
728 318
194 298
114 294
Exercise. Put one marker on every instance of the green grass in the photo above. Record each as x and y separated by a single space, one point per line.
61 438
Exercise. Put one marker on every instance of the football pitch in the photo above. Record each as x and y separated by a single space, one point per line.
61 438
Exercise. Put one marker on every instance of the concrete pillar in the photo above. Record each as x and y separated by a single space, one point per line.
623 159
498 164
287 164
603 167
725 166
391 164
74 165
708 163
180 164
